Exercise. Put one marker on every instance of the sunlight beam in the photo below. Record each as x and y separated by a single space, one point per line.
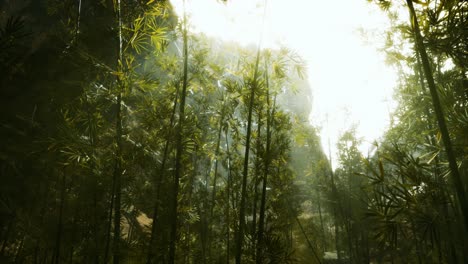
351 84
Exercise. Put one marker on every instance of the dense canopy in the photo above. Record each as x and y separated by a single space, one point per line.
126 137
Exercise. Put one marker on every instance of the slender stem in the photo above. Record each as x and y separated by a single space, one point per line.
240 233
151 244
118 155
256 177
179 144
229 184
456 178
215 177
267 158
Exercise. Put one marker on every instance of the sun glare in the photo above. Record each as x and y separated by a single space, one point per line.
350 82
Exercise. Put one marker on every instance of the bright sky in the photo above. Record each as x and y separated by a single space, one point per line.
349 80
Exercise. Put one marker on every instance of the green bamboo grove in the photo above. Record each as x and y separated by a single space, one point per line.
129 138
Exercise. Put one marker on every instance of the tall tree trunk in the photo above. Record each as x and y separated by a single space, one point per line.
240 232
322 228
228 191
109 222
256 179
215 178
456 179
437 173
267 158
179 144
118 186
347 219
204 216
151 244
188 204
118 155
92 167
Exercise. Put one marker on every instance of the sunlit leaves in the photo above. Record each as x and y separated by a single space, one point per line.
384 4
149 32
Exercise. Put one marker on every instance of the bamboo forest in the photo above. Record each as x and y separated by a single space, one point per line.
233 131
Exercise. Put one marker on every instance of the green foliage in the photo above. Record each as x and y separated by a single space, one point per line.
100 116
402 193
74 110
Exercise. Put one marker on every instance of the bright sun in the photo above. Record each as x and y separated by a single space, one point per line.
350 82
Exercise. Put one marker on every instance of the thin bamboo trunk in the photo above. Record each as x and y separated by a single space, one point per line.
117 208
187 241
456 179
240 232
92 143
109 223
267 158
118 155
151 244
322 228
439 178
215 178
179 144
256 180
419 72
204 218
347 221
229 185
